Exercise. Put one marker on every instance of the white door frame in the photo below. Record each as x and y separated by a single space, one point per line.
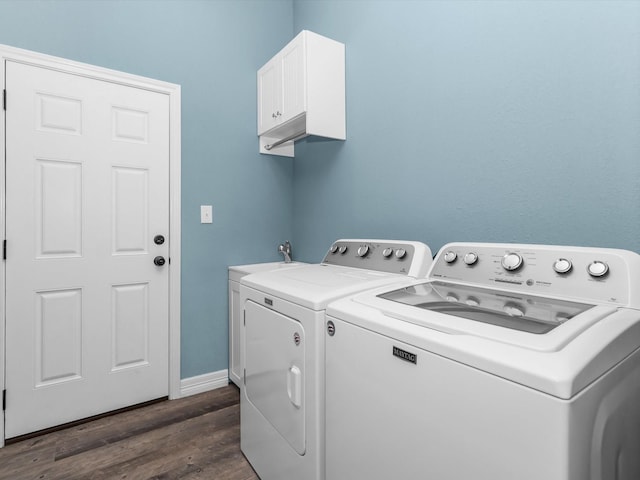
98 73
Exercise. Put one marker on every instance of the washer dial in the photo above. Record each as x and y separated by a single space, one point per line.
386 253
562 265
400 253
598 269
363 250
450 256
511 262
342 249
470 258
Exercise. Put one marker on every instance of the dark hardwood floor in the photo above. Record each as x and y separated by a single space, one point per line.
197 437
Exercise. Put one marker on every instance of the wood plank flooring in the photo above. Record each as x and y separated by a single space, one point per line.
197 437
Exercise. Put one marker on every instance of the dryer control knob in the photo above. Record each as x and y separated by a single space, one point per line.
342 249
450 256
511 262
363 250
470 258
386 253
400 253
598 269
562 265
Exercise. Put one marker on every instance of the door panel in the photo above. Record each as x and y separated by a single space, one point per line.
275 371
87 190
269 96
58 336
130 316
130 196
58 208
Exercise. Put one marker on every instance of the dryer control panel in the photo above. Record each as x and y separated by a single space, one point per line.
390 256
592 274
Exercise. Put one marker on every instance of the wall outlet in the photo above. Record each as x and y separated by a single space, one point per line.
206 213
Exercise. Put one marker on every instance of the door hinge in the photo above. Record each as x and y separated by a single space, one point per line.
4 400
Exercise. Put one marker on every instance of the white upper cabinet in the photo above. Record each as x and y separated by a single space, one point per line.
301 91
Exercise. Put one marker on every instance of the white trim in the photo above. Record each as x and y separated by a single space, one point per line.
122 78
204 383
2 263
175 239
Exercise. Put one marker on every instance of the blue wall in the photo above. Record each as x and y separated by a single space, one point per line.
212 49
482 121
513 121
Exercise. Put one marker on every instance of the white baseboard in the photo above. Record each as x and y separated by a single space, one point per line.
204 383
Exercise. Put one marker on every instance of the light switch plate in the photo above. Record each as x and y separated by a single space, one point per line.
206 213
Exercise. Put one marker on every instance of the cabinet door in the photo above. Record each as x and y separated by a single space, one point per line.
292 60
269 95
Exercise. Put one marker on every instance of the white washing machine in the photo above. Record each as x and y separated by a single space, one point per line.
510 362
282 393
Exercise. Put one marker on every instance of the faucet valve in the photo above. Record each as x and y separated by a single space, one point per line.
285 250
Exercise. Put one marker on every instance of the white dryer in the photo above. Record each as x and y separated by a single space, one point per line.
236 272
510 362
282 393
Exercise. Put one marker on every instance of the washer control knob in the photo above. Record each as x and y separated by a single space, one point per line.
400 253
386 253
451 297
511 262
342 249
450 256
562 265
470 258
363 250
334 248
598 269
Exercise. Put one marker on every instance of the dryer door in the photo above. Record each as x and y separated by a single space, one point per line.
275 371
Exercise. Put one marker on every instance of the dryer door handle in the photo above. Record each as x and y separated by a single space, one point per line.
294 386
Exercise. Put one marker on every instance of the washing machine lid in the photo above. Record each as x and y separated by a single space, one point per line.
314 286
561 362
236 272
524 313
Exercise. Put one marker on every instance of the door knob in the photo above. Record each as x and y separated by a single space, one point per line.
159 261
158 239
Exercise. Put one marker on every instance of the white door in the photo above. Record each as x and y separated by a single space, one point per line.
269 95
87 191
293 80
274 353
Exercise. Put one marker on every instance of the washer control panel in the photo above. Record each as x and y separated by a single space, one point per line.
402 257
593 274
